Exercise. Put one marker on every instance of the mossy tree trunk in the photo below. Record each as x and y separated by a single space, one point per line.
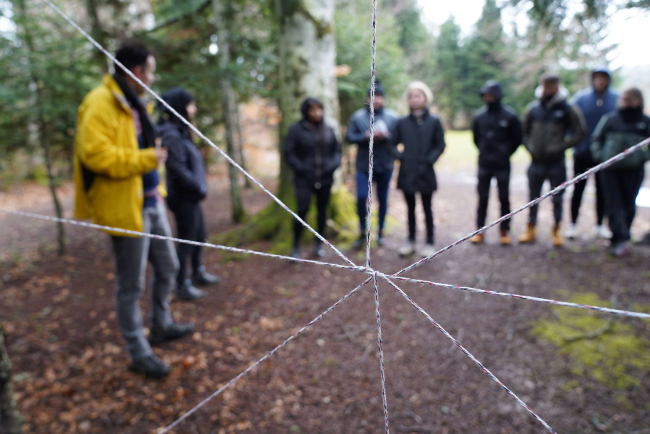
228 107
307 50
240 144
11 421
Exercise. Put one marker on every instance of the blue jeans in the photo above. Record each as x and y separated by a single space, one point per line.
382 181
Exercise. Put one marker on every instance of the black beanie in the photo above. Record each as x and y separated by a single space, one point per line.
379 89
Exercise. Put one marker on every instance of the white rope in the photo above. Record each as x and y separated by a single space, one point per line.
178 240
196 130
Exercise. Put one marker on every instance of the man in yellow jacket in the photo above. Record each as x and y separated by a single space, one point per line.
117 185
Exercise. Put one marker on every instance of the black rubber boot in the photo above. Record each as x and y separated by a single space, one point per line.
202 277
173 332
151 366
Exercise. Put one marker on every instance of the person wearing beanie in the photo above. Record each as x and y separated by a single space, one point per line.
187 187
497 134
550 127
615 133
314 153
358 132
423 138
594 103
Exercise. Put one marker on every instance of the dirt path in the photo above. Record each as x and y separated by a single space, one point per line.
70 365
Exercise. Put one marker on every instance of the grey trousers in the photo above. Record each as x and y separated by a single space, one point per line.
537 174
131 256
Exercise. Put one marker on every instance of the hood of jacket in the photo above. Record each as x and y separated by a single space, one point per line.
601 70
492 87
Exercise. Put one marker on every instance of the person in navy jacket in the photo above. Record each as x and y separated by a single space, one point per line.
594 103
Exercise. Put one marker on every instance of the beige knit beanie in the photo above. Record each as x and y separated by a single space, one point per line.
423 87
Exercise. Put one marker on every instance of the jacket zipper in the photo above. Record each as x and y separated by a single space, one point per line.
319 164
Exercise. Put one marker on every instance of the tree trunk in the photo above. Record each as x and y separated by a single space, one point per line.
240 145
42 126
98 33
307 66
228 108
11 421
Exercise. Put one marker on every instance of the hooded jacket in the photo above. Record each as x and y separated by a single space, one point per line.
424 143
593 107
551 127
108 166
186 174
313 152
617 132
497 130
385 119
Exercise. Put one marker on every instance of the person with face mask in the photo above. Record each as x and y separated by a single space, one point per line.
550 127
314 153
187 187
117 185
594 103
358 132
497 134
615 133
423 138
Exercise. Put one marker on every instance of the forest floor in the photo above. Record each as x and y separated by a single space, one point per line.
581 372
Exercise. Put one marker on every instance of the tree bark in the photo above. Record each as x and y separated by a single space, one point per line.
11 421
41 122
240 145
228 108
98 33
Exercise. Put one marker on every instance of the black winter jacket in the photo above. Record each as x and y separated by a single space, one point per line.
497 134
384 160
313 152
186 174
424 142
552 127
618 131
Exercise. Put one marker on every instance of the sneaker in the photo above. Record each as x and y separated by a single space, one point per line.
557 236
529 236
174 331
359 243
603 232
295 253
477 239
427 250
407 249
189 292
202 277
571 232
151 366
319 250
505 239
381 242
619 250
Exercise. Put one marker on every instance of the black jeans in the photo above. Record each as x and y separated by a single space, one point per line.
621 189
427 199
579 167
485 176
303 199
190 226
537 174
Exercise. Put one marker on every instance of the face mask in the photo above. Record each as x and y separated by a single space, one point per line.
631 113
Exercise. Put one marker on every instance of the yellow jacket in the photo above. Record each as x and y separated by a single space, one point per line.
106 152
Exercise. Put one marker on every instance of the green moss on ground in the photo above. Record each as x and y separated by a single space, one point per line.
605 349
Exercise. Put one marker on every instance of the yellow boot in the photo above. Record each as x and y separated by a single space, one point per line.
530 236
477 239
505 239
558 241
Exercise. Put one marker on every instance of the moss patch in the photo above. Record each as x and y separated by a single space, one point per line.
603 348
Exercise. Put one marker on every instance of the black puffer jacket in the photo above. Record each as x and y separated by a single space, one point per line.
618 131
313 152
552 127
497 130
424 142
186 174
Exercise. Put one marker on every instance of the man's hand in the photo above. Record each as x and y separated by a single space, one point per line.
379 135
161 155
